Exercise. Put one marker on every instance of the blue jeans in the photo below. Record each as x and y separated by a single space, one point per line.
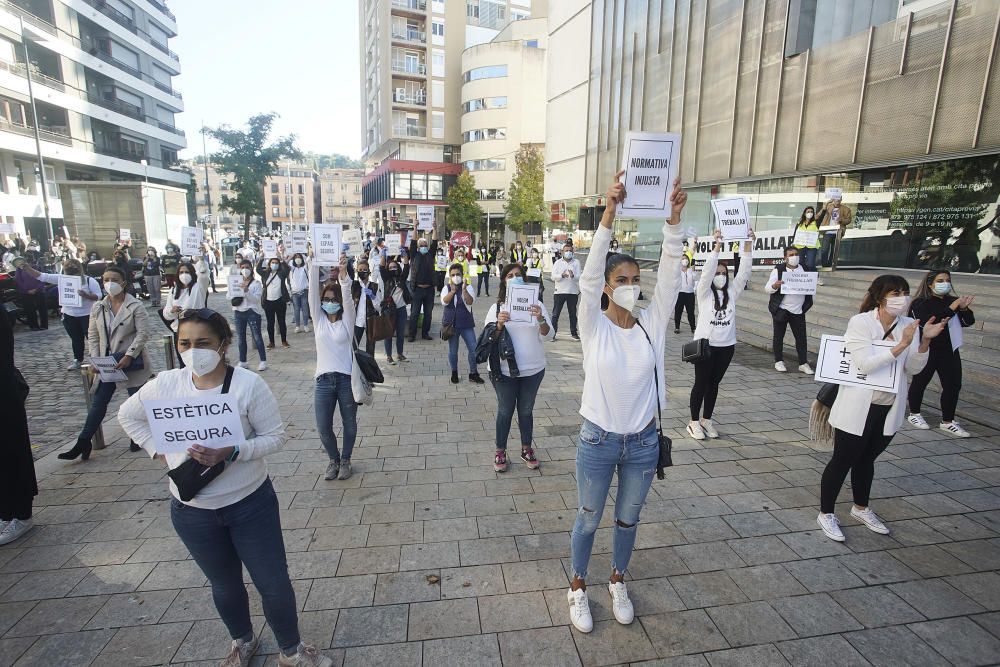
400 333
333 388
809 258
598 455
300 308
246 533
249 318
469 336
99 407
516 393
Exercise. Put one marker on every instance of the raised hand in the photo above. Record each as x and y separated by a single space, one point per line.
616 192
678 199
933 329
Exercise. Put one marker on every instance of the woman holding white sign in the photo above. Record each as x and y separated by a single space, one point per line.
717 298
232 520
623 392
298 283
248 311
865 420
457 298
75 319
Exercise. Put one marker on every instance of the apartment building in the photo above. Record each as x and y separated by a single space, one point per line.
101 88
340 192
211 186
292 197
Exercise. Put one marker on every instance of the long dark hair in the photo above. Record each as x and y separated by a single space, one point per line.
502 292
802 218
880 287
725 289
178 286
925 291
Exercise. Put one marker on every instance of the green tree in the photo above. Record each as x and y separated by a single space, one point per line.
247 155
192 194
333 161
464 211
526 194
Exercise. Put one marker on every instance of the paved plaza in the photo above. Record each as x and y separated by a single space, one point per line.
428 557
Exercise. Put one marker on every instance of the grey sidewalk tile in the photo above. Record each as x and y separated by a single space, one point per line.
11 649
749 656
708 529
876 606
43 585
766 582
762 550
401 587
820 651
535 575
370 625
683 633
707 590
977 554
935 598
145 646
959 640
129 609
824 574
398 655
369 560
878 568
612 643
339 538
505 525
755 524
444 618
958 527
78 649
488 551
444 530
537 547
109 579
424 556
171 575
708 556
651 596
387 534
817 614
541 647
930 561
61 615
464 582
517 611
479 650
341 592
983 587
813 544
659 562
750 623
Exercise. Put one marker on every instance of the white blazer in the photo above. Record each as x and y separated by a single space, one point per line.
850 410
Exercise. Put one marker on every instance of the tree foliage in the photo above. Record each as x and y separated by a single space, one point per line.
526 193
320 161
464 211
192 194
250 159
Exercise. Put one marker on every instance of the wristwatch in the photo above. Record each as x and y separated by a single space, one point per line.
236 452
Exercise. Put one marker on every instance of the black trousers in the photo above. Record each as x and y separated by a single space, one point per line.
685 301
484 278
276 310
857 454
77 329
570 301
35 309
707 377
423 298
798 325
359 333
948 366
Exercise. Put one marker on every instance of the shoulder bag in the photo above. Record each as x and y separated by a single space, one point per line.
137 362
665 459
696 351
191 477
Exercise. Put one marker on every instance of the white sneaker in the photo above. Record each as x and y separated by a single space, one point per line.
807 369
695 431
620 604
917 421
307 329
75 366
780 367
820 283
954 429
14 529
240 653
298 329
307 656
830 526
579 610
709 428
262 366
243 364
870 519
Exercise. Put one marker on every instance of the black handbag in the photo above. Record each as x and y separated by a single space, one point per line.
666 459
696 351
368 365
827 393
191 477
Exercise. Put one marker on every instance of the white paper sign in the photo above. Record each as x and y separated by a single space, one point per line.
955 333
69 287
392 242
106 371
269 247
234 282
191 238
805 239
520 299
834 193
534 273
210 421
799 282
731 218
835 365
473 269
298 243
326 244
124 234
425 218
7 228
441 262
650 164
352 237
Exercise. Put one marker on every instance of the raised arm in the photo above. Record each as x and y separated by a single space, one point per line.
746 265
708 273
315 298
199 291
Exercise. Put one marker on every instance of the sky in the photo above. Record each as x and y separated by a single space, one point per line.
298 58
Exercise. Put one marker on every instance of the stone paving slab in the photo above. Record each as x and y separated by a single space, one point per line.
428 557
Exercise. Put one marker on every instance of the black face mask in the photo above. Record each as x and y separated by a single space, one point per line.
363 275
393 272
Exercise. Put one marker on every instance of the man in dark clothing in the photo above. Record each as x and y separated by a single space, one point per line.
32 293
422 256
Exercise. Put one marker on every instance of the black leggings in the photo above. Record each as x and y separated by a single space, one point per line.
707 376
277 309
948 366
685 301
857 454
798 324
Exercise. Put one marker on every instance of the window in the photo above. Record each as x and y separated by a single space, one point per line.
302 212
274 187
288 200
437 124
437 28
401 186
437 93
274 200
472 11
288 188
488 72
485 134
302 189
489 164
223 185
531 43
302 201
491 194
437 62
288 211
485 103
275 212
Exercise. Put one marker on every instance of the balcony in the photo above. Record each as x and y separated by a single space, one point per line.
403 34
163 8
113 14
413 97
409 131
409 5
409 67
28 17
55 134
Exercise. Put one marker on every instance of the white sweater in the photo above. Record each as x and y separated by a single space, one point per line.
334 340
193 296
262 428
719 326
527 339
618 385
569 284
88 285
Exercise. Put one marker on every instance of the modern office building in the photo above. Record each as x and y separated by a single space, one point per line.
100 87
895 102
340 192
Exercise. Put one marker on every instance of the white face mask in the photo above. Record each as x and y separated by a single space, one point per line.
113 288
626 296
809 215
185 278
201 361
897 305
298 262
456 280
719 281
684 263
246 273
792 261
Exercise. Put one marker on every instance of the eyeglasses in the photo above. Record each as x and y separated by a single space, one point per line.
198 314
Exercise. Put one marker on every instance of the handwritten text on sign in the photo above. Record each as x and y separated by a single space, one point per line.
299 242
650 164
732 218
326 244
124 234
520 299
69 294
836 365
191 238
209 421
799 282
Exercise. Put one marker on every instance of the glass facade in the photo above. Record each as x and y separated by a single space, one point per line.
488 72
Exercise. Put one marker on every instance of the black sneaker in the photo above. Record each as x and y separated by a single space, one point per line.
426 337
677 330
454 377
575 336
474 377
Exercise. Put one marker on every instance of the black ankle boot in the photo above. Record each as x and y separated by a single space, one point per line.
132 447
454 377
81 449
474 377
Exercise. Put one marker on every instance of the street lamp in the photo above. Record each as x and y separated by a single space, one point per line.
38 139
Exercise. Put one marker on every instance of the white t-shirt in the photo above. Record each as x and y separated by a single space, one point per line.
529 353
87 283
686 285
299 278
719 326
791 302
252 299
362 317
334 340
274 286
470 290
569 284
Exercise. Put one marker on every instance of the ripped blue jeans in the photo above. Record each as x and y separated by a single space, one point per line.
598 455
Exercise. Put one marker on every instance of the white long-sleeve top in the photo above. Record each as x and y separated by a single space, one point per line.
262 428
87 283
334 340
719 326
618 388
566 284
252 298
298 278
529 353
375 285
687 281
192 296
793 303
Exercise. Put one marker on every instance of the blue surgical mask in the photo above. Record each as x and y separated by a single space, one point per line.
424 249
516 280
942 288
331 307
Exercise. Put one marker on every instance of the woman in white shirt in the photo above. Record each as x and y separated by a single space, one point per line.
75 319
248 311
518 392
623 390
233 521
333 323
864 420
298 281
685 296
189 291
457 298
717 298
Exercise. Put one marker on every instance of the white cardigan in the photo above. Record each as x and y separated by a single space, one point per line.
850 410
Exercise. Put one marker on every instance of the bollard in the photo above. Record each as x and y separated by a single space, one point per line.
88 382
168 353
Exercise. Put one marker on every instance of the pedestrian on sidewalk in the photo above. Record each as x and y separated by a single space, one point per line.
788 310
119 327
367 293
457 298
273 274
864 421
566 277
298 284
808 253
533 271
518 390
717 298
189 291
427 262
936 297
248 312
18 486
685 295
395 271
151 274
32 291
75 319
485 259
623 392
333 324
232 522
